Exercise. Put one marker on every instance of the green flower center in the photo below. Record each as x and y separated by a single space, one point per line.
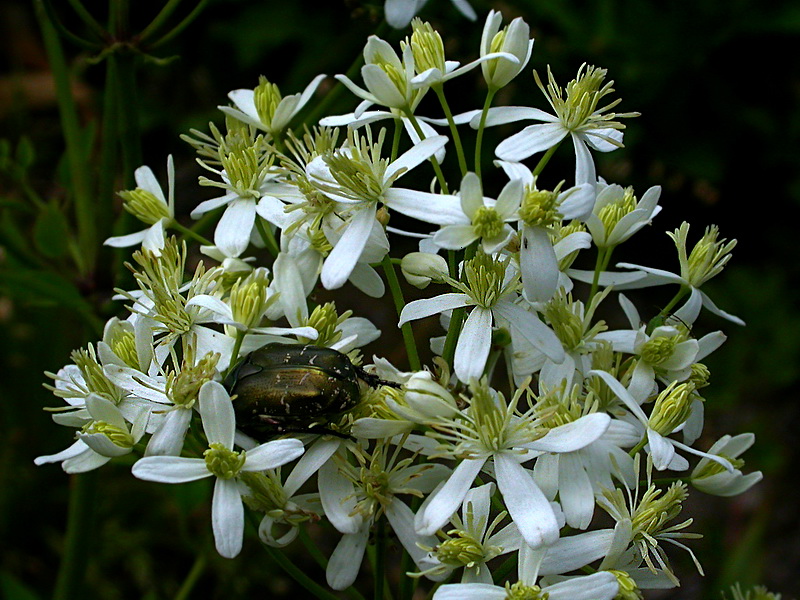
655 511
144 205
222 462
461 551
611 214
540 208
658 349
484 279
266 97
672 407
426 46
123 344
487 222
119 436
520 591
628 590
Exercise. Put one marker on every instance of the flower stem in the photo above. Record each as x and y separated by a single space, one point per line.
266 235
76 545
545 159
436 167
380 559
603 258
399 303
635 450
462 160
479 139
456 318
191 578
192 234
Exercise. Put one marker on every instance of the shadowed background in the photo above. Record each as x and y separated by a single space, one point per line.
717 86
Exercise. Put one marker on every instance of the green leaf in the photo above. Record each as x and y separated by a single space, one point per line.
51 232
25 154
40 288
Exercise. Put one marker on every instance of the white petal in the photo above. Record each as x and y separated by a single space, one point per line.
316 456
345 562
170 469
216 410
227 518
455 237
446 500
584 163
527 324
438 209
168 439
470 591
348 249
529 141
525 502
338 499
576 551
474 343
576 494
597 586
402 521
232 235
538 264
500 115
416 155
273 454
123 241
419 309
471 194
573 436
378 83
661 450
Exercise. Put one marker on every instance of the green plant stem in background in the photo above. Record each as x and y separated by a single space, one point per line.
76 156
191 578
456 318
175 31
481 126
600 265
128 117
79 533
159 20
544 160
462 160
267 237
87 18
399 303
436 167
379 574
191 234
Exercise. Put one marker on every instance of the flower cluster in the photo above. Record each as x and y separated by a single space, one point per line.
535 431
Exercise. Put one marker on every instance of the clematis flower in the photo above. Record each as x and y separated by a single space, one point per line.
221 461
400 12
514 39
710 478
577 115
148 204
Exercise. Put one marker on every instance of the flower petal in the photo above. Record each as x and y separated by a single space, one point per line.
441 504
529 141
474 343
227 517
170 469
216 410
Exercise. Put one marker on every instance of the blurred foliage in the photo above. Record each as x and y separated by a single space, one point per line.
717 83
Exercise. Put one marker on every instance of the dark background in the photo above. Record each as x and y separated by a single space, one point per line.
717 86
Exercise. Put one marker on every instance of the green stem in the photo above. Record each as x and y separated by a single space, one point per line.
399 303
128 117
481 126
379 576
237 346
87 18
436 167
108 139
675 299
545 159
456 318
189 233
462 160
159 20
175 31
633 451
267 237
77 543
298 575
603 258
77 167
191 578
311 547
398 128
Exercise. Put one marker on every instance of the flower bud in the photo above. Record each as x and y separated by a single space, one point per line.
420 268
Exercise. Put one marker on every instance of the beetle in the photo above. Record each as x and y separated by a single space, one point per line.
284 388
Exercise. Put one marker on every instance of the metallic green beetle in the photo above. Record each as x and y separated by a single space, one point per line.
288 388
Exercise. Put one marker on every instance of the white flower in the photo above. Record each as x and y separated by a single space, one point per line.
220 460
491 429
617 214
513 40
147 203
598 586
708 477
265 109
577 115
488 221
400 12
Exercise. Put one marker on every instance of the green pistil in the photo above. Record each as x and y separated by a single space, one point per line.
123 344
266 493
144 206
426 46
709 255
700 375
487 222
658 349
711 467
185 386
93 375
246 167
655 512
249 299
566 323
361 170
611 214
119 436
460 551
628 590
520 591
672 407
540 208
325 320
484 279
266 97
222 462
